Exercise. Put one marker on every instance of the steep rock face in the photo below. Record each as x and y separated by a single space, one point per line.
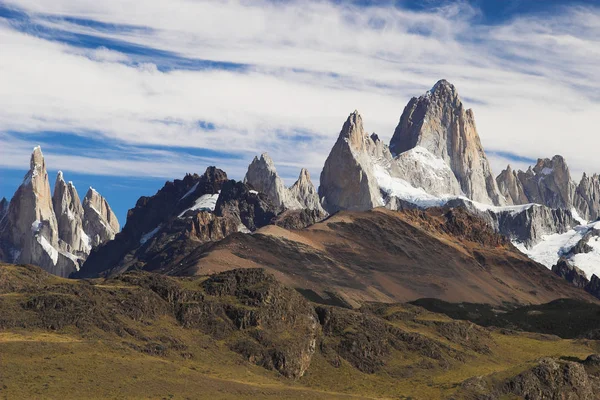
3 207
511 187
69 214
99 221
305 193
30 230
419 167
527 224
438 122
301 196
570 273
549 183
531 224
165 225
252 210
347 180
587 197
263 177
593 287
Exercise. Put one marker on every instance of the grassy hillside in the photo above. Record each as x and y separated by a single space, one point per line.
239 334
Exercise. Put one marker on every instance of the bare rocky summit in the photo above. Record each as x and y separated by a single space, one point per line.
99 221
438 122
348 180
69 214
47 230
262 176
587 197
549 183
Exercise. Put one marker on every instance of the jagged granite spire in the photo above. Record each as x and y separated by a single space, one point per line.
3 207
510 187
438 122
305 193
587 197
347 180
30 230
262 176
549 183
99 221
69 215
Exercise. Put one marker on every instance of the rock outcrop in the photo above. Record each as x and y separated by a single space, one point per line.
348 180
438 122
305 193
511 187
549 183
69 214
570 273
250 209
262 177
587 197
527 224
99 222
552 379
3 207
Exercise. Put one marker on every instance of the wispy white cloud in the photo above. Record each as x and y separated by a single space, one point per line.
531 81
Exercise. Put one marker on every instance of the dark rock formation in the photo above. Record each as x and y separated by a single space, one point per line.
552 379
570 273
252 210
163 228
297 219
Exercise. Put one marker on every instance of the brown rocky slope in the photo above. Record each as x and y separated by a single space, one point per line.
389 256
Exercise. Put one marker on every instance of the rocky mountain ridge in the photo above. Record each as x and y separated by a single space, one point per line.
436 158
57 231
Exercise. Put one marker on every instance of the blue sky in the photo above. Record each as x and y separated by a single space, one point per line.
123 96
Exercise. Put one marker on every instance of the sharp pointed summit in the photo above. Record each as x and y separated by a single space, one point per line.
47 230
69 215
99 221
438 122
348 181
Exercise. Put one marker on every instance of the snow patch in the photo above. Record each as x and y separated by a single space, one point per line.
192 190
71 257
589 262
553 247
243 229
149 235
51 251
513 210
36 226
426 158
403 190
86 240
252 192
206 202
547 171
577 217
